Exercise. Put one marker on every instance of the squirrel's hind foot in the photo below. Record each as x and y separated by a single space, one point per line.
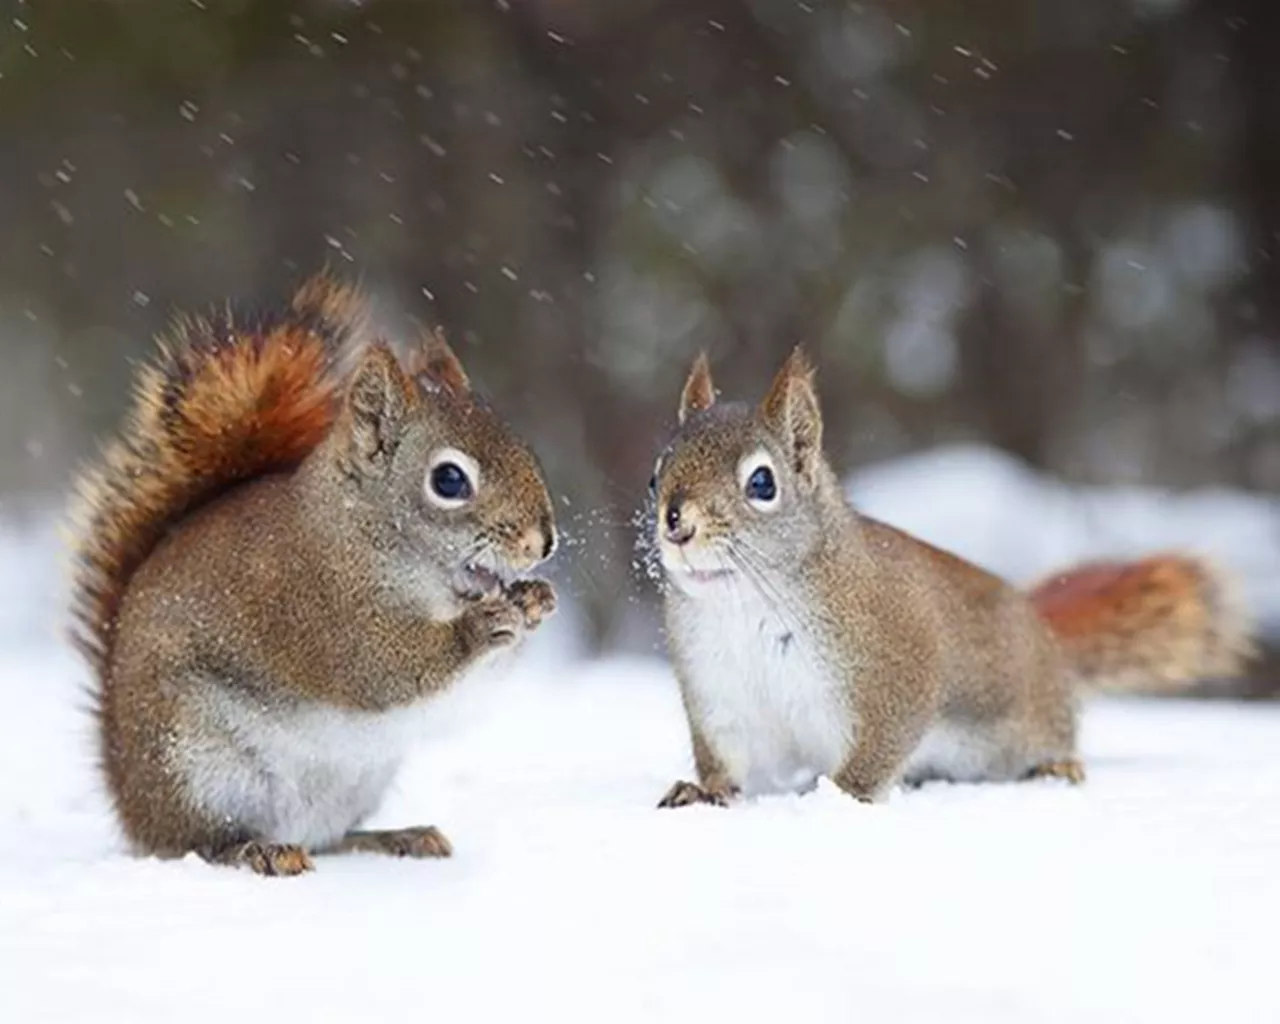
1069 768
425 841
276 859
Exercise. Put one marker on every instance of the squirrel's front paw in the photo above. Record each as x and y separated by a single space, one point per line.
535 598
684 794
491 623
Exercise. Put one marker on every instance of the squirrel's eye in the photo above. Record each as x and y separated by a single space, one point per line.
450 485
761 488
453 477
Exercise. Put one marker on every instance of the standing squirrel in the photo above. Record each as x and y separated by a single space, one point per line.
810 640
293 544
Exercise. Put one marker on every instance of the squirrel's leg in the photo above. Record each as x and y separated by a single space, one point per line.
163 754
713 786
878 758
1069 768
1039 739
283 859
1024 750
423 841
1006 750
1051 730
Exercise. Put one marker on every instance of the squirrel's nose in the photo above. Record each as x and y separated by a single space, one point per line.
678 531
538 542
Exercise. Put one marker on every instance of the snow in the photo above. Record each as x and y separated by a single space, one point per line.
1150 893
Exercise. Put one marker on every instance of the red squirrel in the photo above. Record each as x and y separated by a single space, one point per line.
810 640
293 544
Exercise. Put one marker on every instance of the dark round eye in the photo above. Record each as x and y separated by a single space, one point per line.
449 481
761 486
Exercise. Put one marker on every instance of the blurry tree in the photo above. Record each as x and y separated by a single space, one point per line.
1049 225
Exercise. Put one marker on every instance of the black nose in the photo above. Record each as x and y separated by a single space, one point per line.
677 530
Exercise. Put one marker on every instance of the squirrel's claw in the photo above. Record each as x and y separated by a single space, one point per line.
283 860
684 794
1071 769
418 842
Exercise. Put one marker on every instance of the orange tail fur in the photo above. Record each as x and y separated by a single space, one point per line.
226 399
1149 625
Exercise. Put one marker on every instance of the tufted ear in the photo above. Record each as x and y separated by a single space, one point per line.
435 360
699 393
791 410
378 402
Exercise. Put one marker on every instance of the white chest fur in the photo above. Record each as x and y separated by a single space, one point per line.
302 776
769 704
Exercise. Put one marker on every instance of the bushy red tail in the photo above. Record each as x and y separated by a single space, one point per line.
227 399
1149 625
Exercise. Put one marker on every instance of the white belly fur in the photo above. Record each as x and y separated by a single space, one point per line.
770 708
303 776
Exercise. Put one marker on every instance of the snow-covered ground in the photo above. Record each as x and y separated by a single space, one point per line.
1150 894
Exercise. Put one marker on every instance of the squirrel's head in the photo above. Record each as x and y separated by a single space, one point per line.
737 493
435 479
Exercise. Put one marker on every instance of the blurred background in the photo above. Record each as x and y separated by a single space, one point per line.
1026 240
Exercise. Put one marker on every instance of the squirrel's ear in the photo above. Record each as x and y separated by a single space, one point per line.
378 401
791 409
699 393
435 360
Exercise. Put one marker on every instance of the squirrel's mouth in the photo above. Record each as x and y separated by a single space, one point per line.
473 580
684 571
681 567
708 575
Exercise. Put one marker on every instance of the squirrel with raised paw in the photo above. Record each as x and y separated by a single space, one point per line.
294 543
810 640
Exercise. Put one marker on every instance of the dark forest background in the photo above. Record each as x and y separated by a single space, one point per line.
1047 226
